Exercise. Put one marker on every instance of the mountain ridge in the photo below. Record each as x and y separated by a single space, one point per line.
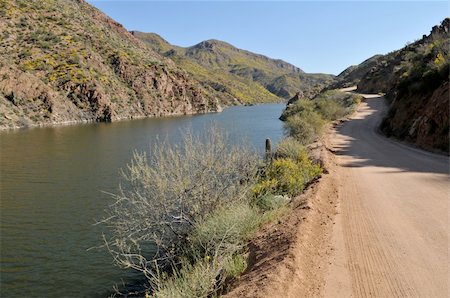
239 66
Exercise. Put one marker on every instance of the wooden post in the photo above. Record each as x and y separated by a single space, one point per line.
268 150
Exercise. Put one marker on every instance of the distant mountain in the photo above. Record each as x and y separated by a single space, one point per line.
239 74
65 61
416 82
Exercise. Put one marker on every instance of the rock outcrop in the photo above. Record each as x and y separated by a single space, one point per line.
415 80
422 119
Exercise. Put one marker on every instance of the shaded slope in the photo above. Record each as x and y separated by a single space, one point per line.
353 74
415 80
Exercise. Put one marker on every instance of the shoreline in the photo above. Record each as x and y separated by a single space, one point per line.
290 257
120 119
92 121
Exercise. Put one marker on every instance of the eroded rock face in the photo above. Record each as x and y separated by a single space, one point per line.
86 68
422 119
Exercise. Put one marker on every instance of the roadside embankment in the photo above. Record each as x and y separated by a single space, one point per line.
288 258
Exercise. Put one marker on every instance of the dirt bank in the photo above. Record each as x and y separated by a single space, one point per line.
290 256
376 225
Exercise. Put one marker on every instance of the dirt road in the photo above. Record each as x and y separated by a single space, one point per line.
391 235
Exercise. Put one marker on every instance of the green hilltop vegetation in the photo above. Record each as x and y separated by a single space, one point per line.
237 74
65 61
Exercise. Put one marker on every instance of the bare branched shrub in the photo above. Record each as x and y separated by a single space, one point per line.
165 194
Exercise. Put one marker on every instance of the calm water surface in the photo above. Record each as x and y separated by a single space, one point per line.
51 194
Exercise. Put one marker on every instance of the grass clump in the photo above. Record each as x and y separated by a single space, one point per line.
224 232
217 253
198 279
290 147
236 265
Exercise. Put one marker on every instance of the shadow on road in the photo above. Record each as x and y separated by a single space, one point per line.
361 140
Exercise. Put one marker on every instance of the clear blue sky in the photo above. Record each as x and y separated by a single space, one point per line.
315 36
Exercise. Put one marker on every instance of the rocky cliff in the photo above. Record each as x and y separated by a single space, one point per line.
65 61
421 118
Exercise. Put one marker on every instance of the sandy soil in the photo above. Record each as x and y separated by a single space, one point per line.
376 225
392 232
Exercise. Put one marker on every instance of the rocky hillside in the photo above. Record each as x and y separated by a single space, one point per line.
416 82
65 61
239 74
353 74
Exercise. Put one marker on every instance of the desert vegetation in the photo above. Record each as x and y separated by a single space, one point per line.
185 213
236 75
305 119
416 82
65 61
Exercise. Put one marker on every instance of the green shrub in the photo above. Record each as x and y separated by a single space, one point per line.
270 202
286 176
306 118
330 109
335 104
167 195
302 105
289 147
216 253
265 187
225 230
305 127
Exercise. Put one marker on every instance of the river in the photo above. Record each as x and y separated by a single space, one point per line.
51 194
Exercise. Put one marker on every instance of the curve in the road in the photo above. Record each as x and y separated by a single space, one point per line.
392 232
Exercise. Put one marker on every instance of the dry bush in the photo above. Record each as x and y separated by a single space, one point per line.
164 195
